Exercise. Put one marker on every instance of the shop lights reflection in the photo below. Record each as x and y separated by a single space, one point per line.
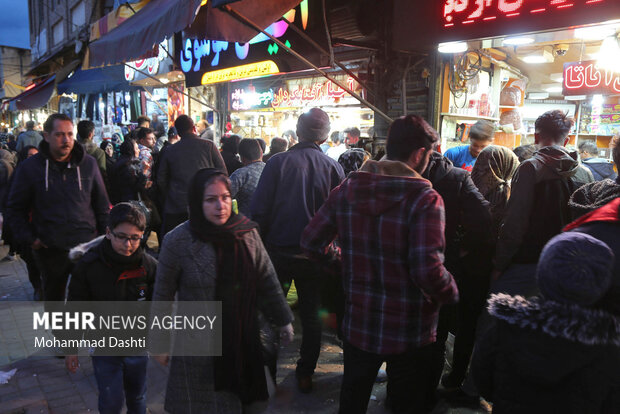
452 47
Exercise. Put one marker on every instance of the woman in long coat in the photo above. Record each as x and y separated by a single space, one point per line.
218 255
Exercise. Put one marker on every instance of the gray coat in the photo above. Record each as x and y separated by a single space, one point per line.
187 268
29 137
178 166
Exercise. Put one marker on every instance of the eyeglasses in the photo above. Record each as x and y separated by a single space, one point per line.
131 239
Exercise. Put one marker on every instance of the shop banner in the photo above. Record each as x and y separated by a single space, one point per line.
206 61
153 66
422 25
584 78
176 103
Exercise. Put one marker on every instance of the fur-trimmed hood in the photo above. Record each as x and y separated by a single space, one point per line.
570 322
77 252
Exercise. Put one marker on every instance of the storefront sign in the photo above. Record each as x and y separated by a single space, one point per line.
205 60
251 70
295 95
452 20
152 66
584 78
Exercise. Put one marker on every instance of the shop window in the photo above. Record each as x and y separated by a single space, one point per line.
58 33
78 15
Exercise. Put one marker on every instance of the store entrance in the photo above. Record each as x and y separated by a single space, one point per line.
513 80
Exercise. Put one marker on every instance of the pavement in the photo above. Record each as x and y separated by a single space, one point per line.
41 384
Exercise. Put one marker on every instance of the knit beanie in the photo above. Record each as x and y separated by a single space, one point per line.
483 130
313 125
575 268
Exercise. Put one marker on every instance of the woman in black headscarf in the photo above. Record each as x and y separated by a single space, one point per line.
218 255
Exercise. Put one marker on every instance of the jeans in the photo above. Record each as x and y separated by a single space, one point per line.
121 378
55 268
409 387
308 283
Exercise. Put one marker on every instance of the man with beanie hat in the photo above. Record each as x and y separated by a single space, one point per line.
559 352
292 187
480 137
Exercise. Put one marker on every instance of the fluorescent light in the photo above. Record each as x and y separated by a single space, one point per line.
537 95
534 59
517 41
557 77
598 100
609 57
576 98
595 32
554 89
542 55
452 47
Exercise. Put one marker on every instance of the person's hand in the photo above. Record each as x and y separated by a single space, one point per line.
37 244
286 334
72 363
495 274
163 359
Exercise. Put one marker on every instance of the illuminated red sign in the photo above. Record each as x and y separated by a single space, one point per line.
439 21
584 78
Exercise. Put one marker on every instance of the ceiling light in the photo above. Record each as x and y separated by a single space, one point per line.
554 89
576 98
537 95
517 41
542 55
452 47
609 56
595 32
557 77
598 100
164 80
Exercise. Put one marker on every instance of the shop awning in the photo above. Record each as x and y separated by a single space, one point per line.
215 24
99 80
35 96
130 40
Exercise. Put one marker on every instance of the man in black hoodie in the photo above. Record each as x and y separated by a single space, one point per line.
62 187
538 206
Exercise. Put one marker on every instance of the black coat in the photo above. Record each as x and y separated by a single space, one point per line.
545 357
69 205
126 179
468 220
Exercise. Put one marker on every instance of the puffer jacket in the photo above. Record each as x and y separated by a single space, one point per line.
547 357
69 204
538 206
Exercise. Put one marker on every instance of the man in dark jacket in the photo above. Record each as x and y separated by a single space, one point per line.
86 132
468 225
62 187
601 168
116 268
178 165
538 205
291 189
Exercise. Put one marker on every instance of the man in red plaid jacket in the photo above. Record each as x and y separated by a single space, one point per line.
390 226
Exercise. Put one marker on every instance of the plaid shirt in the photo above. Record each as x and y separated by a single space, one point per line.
243 183
391 233
146 159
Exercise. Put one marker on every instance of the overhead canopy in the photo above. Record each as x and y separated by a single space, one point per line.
34 97
153 23
99 80
215 24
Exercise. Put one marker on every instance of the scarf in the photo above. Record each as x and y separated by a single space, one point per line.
118 262
240 368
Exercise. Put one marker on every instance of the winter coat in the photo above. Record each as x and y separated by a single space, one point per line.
468 220
538 206
126 179
187 269
232 161
179 164
30 137
547 357
97 153
96 277
592 196
601 168
69 204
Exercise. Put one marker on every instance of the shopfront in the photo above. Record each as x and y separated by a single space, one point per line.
508 61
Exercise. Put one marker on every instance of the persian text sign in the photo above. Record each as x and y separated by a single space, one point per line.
584 78
453 20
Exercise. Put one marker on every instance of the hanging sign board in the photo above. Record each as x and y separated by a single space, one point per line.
207 61
417 27
584 78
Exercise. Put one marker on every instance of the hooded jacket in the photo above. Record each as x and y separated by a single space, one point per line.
69 204
601 168
547 357
390 227
468 220
538 206
97 153
29 137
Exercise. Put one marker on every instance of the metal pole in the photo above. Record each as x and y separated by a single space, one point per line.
248 22
172 87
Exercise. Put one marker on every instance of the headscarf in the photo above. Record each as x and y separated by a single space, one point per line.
492 173
352 159
240 368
